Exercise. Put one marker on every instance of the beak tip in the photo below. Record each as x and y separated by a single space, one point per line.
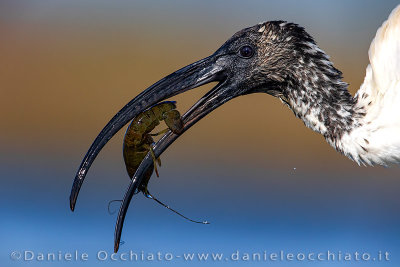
76 186
72 201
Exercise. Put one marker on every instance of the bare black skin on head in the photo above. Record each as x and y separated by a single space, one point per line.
285 63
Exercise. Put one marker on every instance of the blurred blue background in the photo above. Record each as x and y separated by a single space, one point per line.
263 180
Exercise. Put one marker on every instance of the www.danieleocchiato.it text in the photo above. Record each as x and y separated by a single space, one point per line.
142 256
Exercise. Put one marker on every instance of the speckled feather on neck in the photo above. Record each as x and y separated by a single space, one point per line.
313 88
366 127
317 95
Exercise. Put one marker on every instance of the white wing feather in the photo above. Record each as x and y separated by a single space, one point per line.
384 54
378 140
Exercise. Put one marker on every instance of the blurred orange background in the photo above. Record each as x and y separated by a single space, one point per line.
67 67
255 171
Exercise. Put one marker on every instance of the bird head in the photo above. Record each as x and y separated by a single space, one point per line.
265 58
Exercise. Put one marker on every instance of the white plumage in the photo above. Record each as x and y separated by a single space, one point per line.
377 140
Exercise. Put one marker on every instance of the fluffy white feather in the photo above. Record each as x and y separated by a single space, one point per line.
377 140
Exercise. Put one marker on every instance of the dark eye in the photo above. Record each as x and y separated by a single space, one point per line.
246 51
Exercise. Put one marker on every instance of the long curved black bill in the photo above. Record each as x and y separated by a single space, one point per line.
194 75
219 95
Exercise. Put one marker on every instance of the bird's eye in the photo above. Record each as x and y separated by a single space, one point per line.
246 51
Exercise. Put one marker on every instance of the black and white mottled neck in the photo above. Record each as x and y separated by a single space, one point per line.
366 127
354 126
315 92
317 95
